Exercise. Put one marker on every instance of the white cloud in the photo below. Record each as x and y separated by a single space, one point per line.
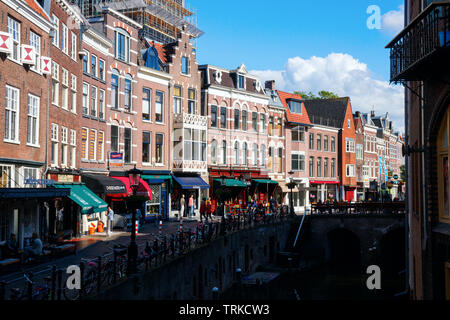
345 76
393 21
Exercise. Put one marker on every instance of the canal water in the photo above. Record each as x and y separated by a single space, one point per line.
319 284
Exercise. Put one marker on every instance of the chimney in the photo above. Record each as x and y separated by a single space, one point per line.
270 84
372 114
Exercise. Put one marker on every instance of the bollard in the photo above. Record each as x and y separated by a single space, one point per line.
160 227
99 274
59 284
215 293
53 282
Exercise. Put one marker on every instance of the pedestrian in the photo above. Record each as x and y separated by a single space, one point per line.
35 249
209 208
203 211
60 219
182 204
273 205
11 246
110 220
191 206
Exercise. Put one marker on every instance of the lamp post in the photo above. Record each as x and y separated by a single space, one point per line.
291 185
135 178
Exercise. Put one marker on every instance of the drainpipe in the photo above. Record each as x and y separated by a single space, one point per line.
169 209
47 116
408 256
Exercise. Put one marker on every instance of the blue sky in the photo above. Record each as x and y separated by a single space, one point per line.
307 45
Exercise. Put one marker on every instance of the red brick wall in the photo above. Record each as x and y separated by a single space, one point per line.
347 158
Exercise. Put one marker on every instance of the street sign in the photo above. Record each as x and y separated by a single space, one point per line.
395 176
116 159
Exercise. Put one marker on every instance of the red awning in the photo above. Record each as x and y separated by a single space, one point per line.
142 191
324 182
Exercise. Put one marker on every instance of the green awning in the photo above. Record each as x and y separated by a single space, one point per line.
84 197
232 183
265 181
156 177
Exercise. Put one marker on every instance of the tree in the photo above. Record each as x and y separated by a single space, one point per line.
321 95
403 172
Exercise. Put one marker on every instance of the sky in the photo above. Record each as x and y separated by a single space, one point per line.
307 46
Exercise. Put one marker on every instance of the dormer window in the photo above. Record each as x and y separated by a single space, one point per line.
241 82
257 85
218 76
295 106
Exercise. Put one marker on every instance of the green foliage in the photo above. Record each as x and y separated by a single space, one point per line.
321 95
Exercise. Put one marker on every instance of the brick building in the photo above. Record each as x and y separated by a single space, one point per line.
418 54
370 168
360 178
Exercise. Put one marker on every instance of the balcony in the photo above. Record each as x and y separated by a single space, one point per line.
422 47
189 120
190 166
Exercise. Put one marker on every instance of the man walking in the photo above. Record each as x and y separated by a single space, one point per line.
191 206
182 204
110 220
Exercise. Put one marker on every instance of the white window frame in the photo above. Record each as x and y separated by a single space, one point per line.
55 39
349 145
126 45
299 154
33 120
12 107
101 156
54 141
55 79
73 52
94 101
64 147
95 71
101 104
86 147
359 151
65 39
13 28
73 88
35 41
73 148
85 99
103 75
350 170
94 157
65 89
162 147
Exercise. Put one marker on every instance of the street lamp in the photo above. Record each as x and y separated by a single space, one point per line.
291 185
135 178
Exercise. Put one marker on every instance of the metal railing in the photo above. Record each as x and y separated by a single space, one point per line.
362 208
428 32
103 272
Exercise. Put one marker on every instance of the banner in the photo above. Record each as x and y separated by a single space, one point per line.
116 159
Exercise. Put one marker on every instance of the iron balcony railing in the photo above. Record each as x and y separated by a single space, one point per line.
428 33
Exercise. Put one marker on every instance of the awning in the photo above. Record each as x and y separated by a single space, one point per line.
156 178
264 181
232 183
33 193
323 182
103 184
191 182
142 191
84 197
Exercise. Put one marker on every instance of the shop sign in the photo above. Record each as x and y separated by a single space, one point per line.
39 181
116 159
65 178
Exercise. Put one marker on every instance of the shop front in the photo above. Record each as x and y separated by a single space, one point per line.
102 185
263 188
187 185
24 211
322 191
349 193
160 183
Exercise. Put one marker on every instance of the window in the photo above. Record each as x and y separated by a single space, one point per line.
237 119
255 155
348 123
359 151
325 167
349 145
127 147
311 166
241 82
333 167
29 173
236 153
146 146
280 160
223 117
35 41
101 104
263 155
93 145
73 148
271 158
214 152
122 45
319 142
244 154
159 148
178 100
146 104
333 144
33 120
73 52
101 69
295 106
298 162
311 141
325 143
298 134
255 121
244 120
115 90
85 63
159 106
93 65
280 127
224 152
192 109
65 89
85 99
194 144
6 180
55 83
13 28
128 94
100 146
55 39
184 65
214 116
54 145
65 39
93 101
12 114
114 138
350 170
443 181
64 146
84 144
73 87
271 126
262 121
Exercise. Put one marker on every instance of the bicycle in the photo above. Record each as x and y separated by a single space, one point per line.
18 295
